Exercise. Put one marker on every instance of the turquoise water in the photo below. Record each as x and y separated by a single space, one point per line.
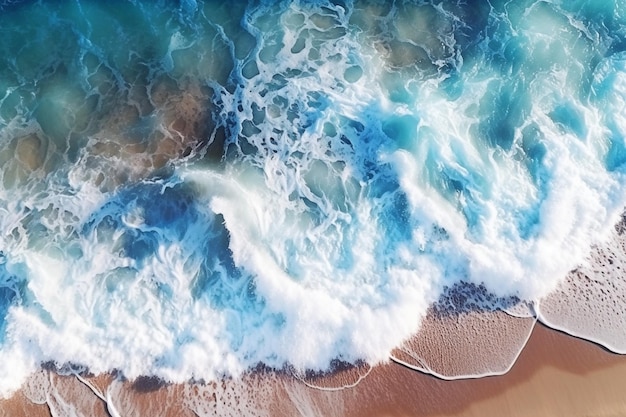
190 188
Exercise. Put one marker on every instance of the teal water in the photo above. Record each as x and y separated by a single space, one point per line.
190 188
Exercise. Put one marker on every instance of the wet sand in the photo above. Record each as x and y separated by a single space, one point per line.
555 375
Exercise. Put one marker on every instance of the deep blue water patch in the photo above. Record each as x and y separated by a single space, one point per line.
11 289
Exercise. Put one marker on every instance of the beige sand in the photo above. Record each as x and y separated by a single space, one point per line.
556 375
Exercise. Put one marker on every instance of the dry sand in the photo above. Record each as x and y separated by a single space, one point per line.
556 375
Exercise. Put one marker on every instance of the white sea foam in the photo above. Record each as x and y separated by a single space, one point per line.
295 184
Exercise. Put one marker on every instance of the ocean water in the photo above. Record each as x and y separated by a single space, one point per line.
189 189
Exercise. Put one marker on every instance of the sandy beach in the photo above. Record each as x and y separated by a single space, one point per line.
555 375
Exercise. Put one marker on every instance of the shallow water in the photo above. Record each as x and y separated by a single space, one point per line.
188 189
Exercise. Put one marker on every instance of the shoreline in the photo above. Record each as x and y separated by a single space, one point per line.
556 374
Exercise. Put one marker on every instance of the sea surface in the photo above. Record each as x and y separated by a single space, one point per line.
189 189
